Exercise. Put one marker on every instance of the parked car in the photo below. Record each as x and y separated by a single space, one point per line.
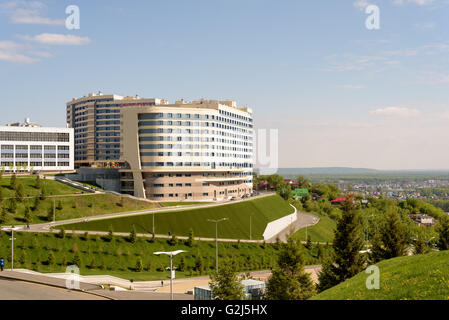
233 198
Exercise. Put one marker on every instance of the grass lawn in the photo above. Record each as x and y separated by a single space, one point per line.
179 222
74 207
119 257
29 186
323 231
420 277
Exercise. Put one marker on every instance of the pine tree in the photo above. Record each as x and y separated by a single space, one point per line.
391 240
43 193
12 205
61 233
443 232
191 239
346 260
20 193
13 181
289 281
133 235
77 259
199 265
4 215
51 212
28 218
225 285
139 265
59 207
22 259
36 204
110 235
93 264
182 264
51 258
1 195
38 182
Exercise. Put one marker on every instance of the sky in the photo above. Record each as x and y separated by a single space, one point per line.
339 93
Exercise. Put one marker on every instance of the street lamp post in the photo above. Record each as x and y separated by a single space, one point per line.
12 242
250 218
171 254
216 239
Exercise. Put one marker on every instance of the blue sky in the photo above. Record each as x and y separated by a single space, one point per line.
339 94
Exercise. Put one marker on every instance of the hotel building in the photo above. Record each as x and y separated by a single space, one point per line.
96 121
200 150
29 147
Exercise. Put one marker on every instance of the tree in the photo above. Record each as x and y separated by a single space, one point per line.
20 193
443 231
309 242
36 204
4 215
77 259
13 181
110 235
285 191
199 265
51 258
289 281
27 217
173 241
1 195
392 240
61 233
225 285
12 205
182 264
190 241
139 265
133 235
38 182
59 207
346 261
93 263
303 182
51 212
420 245
43 193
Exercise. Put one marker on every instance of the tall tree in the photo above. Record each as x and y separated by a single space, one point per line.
392 240
289 281
20 193
346 260
225 284
38 182
13 181
443 231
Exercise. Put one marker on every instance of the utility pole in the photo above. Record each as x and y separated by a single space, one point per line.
250 233
216 239
12 243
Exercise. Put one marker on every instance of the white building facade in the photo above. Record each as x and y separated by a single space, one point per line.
26 148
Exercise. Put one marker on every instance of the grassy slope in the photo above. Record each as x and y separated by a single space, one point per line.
52 187
263 210
120 256
416 277
323 231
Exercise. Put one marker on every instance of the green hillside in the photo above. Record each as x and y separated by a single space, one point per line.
420 277
323 231
179 222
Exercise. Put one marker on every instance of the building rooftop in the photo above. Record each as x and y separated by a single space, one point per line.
26 123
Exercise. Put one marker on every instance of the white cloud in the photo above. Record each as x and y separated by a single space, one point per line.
396 112
361 4
351 86
12 52
58 39
418 2
28 12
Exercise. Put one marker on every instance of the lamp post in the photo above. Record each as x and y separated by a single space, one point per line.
171 254
12 242
250 218
216 239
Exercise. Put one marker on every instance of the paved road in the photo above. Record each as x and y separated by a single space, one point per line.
304 220
18 290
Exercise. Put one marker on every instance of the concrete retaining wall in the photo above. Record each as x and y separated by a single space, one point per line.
276 226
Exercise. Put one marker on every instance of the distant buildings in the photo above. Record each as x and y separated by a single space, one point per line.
423 219
253 290
27 147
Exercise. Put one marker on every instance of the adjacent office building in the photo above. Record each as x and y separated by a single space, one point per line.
27 147
199 150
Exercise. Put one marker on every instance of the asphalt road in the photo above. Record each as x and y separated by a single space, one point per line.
18 290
